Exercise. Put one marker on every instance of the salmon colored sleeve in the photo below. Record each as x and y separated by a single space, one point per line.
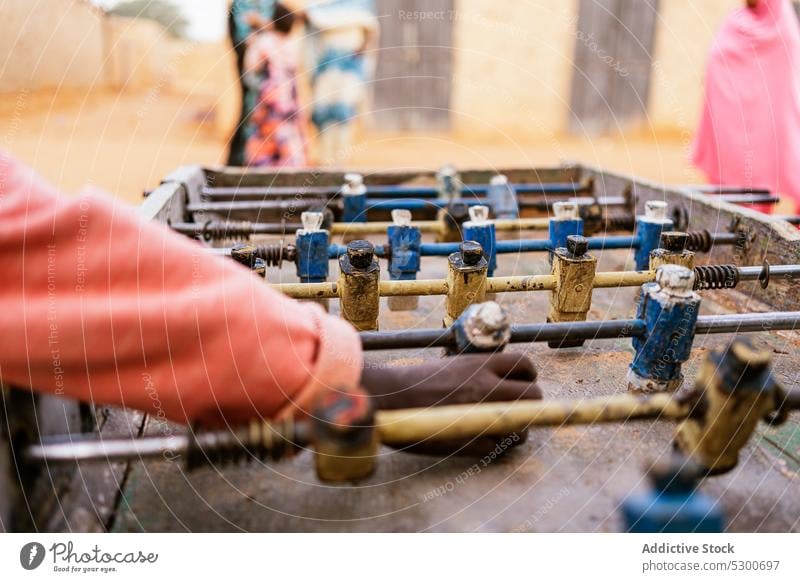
99 305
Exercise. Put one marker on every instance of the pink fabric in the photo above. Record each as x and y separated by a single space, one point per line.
99 305
749 133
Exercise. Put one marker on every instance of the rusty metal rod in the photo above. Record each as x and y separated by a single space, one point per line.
233 229
325 290
518 283
458 421
413 288
307 204
394 427
221 230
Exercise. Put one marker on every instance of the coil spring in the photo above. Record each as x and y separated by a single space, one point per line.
274 255
699 241
217 230
716 277
620 222
259 440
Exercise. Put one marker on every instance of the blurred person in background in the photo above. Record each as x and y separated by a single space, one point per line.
339 34
749 133
276 135
244 17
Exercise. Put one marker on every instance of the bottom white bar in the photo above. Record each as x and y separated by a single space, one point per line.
390 557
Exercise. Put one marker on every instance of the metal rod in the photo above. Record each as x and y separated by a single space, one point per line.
577 330
719 189
110 449
524 333
380 227
230 207
527 245
509 284
748 322
395 427
522 246
604 280
235 229
749 199
583 330
376 191
412 338
437 226
413 287
223 229
308 290
520 283
614 242
756 273
468 420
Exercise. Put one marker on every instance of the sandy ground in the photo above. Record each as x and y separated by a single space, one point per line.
125 143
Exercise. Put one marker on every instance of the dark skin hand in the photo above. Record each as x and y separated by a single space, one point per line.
455 380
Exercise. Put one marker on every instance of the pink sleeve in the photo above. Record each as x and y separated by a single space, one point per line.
99 305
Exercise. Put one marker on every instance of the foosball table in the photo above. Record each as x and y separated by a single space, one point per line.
662 320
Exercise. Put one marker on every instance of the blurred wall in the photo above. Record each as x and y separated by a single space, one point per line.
513 61
48 44
138 53
63 45
512 65
683 38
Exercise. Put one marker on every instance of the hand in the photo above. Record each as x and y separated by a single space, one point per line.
455 380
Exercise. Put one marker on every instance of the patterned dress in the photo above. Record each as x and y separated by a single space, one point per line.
276 134
239 30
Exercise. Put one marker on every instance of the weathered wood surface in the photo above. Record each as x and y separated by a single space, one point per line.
230 177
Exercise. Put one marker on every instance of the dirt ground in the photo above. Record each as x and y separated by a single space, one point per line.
126 142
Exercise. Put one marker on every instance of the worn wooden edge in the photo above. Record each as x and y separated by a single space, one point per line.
223 176
770 239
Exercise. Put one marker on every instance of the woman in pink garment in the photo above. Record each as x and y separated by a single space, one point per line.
749 133
99 305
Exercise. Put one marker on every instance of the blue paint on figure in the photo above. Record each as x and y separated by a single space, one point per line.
405 241
481 230
669 309
673 504
648 232
312 244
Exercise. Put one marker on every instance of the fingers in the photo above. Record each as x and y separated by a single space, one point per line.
513 366
510 390
476 447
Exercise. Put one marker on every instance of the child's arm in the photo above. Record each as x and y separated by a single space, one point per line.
99 305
